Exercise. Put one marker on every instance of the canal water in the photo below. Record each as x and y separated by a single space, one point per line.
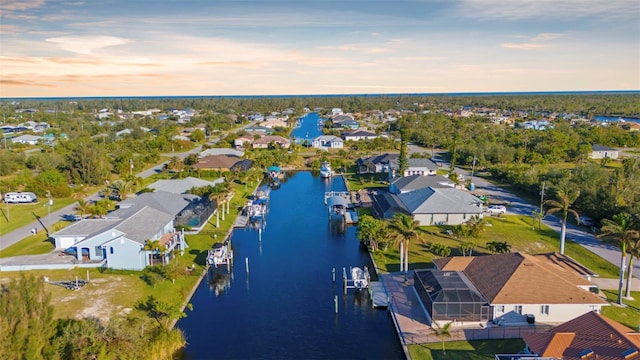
283 308
308 128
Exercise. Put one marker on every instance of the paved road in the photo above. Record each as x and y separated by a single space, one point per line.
55 216
516 205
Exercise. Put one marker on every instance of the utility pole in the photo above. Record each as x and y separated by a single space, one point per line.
541 197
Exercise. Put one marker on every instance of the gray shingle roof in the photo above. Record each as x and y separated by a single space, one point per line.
160 200
87 227
183 185
440 201
415 162
144 224
416 182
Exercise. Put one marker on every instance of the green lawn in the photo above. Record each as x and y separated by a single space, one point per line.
628 315
366 181
19 215
466 350
517 231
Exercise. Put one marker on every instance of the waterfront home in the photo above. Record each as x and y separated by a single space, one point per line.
416 182
187 209
182 186
375 164
328 142
601 152
588 336
119 242
269 141
417 166
359 135
344 122
335 111
429 206
508 289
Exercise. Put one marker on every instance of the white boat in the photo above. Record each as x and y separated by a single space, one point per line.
337 206
218 255
360 277
325 170
258 209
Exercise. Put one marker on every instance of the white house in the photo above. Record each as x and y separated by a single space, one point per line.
416 166
359 135
601 152
27 139
328 142
119 243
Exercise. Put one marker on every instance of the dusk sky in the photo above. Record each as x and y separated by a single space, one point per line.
273 47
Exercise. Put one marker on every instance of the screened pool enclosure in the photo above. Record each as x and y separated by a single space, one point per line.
448 295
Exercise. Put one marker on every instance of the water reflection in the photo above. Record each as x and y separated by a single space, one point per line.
219 283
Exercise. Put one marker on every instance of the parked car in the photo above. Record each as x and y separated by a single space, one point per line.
496 209
586 221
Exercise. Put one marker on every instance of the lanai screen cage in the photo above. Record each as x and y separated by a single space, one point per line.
448 295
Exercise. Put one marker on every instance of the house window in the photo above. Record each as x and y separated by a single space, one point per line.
111 249
518 309
500 309
98 250
544 309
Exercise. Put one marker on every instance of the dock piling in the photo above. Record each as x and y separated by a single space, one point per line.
335 301
246 263
334 275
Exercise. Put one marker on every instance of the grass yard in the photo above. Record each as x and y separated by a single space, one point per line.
628 315
114 293
366 181
20 215
517 231
466 350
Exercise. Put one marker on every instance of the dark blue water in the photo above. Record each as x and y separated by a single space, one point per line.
284 308
308 128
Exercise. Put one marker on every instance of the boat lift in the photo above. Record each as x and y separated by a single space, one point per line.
360 278
220 254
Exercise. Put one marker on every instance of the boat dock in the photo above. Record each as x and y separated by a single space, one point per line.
241 221
343 194
379 297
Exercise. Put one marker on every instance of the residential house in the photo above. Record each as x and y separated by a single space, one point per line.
328 142
588 336
182 186
185 208
335 111
416 182
216 162
601 152
221 151
273 122
259 130
268 141
514 289
416 166
27 139
375 164
359 135
241 142
429 206
345 122
119 243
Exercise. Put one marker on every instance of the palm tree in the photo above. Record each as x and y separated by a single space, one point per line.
442 332
565 195
621 230
122 187
634 252
154 246
406 228
84 207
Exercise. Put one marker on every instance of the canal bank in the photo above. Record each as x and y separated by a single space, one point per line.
282 304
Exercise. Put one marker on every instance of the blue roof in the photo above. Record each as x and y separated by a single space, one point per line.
273 168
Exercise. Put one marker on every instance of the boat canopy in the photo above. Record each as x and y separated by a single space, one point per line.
337 201
273 168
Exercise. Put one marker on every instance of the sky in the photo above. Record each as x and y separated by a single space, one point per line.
67 48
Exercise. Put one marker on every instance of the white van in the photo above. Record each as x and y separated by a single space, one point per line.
20 197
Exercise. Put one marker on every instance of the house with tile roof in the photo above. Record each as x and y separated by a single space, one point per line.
217 163
588 336
517 288
268 141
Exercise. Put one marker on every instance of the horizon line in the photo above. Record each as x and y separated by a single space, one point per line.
477 93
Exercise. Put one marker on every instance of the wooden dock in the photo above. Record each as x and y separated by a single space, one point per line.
379 297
